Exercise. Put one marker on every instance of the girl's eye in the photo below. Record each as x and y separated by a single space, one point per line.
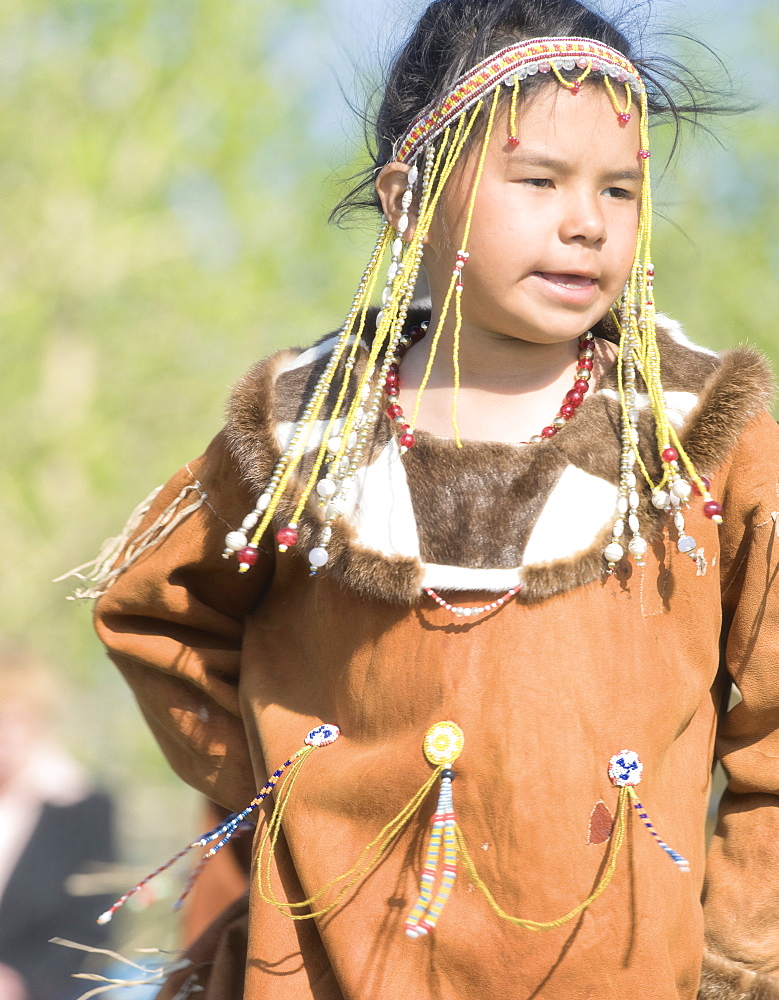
617 192
540 182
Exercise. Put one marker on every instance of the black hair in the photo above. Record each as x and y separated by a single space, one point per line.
453 35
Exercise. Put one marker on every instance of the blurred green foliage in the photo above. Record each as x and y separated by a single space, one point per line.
163 204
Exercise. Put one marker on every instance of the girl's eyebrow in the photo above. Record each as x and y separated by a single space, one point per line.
560 166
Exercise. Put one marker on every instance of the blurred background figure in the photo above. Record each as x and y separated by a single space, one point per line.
53 827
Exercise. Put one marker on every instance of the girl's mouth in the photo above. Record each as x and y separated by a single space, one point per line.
573 281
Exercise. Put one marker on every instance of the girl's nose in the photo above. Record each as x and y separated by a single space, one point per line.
583 221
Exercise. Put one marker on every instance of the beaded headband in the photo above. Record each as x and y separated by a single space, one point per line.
359 384
514 64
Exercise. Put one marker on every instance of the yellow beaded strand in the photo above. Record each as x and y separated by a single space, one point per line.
369 857
457 278
617 840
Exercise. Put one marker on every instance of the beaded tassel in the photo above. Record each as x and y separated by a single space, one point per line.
625 770
321 736
442 746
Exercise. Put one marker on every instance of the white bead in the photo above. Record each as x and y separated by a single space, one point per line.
249 521
679 522
334 445
397 247
403 223
386 295
622 505
633 523
351 441
660 499
635 416
682 489
379 318
637 546
325 488
335 508
392 270
325 535
630 479
408 197
613 552
686 543
236 540
633 499
619 528
675 501
264 502
318 557
412 175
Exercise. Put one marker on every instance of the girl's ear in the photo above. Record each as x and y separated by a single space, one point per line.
391 184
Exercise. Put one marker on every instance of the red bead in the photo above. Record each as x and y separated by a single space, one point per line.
248 555
513 140
416 333
581 385
407 440
393 369
644 154
584 344
670 454
576 399
624 117
712 509
576 88
586 363
706 482
549 432
392 382
567 411
286 536
394 411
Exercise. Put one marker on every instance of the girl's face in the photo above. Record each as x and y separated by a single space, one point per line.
554 228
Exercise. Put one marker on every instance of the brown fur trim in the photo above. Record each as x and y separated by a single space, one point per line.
477 506
722 979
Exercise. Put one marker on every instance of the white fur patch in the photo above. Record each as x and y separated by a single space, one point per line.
312 354
463 578
381 510
675 332
578 508
678 404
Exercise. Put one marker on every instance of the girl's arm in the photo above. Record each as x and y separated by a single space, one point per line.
741 896
173 623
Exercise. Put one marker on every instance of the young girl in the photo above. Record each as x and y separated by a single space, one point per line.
491 561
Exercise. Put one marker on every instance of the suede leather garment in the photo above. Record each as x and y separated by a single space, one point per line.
232 670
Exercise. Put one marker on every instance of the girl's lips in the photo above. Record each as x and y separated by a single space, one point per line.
570 289
567 280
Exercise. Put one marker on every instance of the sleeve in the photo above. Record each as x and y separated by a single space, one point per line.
741 893
172 619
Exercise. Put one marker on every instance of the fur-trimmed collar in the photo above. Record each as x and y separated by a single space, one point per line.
487 516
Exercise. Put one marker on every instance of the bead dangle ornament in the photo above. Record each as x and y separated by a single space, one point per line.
515 85
216 839
442 745
441 750
625 770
